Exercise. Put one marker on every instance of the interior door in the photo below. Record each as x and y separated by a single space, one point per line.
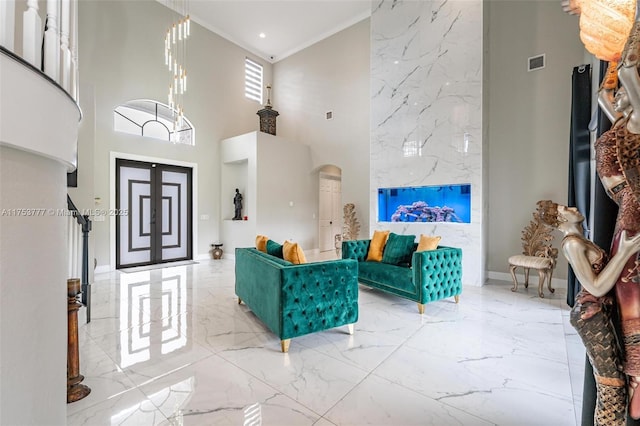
329 208
336 209
158 225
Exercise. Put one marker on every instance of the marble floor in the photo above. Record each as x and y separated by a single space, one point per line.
172 346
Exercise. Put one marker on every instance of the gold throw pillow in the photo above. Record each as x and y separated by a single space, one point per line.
293 253
261 243
427 242
376 248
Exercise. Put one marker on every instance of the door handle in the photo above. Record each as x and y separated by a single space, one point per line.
153 216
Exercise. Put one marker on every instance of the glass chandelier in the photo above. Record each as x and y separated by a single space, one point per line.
175 55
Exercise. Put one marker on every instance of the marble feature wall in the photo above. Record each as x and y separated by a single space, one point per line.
426 112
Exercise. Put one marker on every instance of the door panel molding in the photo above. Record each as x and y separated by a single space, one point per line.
144 205
140 226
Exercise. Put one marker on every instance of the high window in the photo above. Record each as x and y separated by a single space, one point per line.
144 117
253 80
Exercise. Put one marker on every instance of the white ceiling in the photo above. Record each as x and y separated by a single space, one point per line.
289 25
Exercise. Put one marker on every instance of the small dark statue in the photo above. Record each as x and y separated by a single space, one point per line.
237 202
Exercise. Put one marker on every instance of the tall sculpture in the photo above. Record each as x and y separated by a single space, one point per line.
618 167
351 226
593 312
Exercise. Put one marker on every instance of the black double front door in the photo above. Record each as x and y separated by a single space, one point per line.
157 226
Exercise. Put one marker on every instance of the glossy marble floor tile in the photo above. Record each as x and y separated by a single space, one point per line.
172 346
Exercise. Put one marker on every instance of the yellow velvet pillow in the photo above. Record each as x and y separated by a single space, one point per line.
261 243
376 248
428 242
293 253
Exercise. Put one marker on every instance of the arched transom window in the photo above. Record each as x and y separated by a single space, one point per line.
144 117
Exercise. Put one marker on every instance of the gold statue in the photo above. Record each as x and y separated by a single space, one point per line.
591 315
618 166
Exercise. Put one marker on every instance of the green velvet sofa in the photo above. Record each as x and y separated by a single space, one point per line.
432 275
294 300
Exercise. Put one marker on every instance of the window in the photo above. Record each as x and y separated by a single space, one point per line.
153 119
253 80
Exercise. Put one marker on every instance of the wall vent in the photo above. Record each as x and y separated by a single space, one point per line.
535 62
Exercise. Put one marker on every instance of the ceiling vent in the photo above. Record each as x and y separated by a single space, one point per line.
535 62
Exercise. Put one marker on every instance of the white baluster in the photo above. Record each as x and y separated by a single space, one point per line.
69 246
52 41
73 244
7 23
74 50
32 34
65 52
76 249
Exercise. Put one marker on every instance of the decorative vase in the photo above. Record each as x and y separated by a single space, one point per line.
217 252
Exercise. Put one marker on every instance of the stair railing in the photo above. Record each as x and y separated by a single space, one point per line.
79 226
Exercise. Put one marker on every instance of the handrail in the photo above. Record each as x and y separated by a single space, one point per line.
85 222
82 219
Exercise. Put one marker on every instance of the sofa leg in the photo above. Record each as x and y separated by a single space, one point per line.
421 308
456 298
239 301
284 344
350 328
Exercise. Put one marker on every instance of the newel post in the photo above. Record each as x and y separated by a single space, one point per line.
75 389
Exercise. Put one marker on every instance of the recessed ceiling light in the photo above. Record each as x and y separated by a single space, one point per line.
262 35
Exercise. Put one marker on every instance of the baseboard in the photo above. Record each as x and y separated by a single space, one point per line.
533 278
202 256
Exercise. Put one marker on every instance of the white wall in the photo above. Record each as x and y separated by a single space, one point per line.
287 198
331 75
33 290
529 118
122 59
279 198
426 89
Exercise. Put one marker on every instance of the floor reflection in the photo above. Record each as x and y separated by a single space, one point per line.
153 305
